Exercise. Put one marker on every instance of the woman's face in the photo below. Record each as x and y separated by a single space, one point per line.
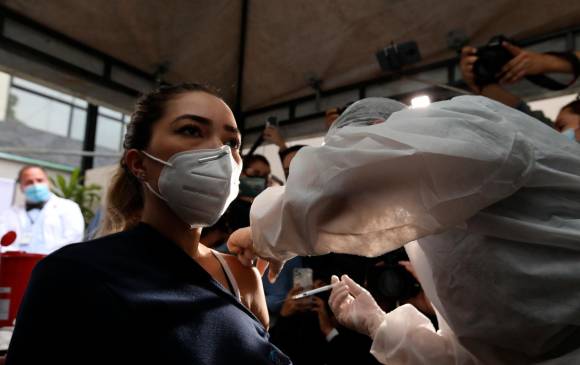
567 120
257 169
195 120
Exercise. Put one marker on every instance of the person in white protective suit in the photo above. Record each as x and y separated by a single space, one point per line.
486 201
45 222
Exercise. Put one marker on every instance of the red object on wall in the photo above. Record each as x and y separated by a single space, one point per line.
15 270
8 238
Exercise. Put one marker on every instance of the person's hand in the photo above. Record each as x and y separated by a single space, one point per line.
241 244
272 134
524 63
354 307
293 306
324 321
466 62
409 267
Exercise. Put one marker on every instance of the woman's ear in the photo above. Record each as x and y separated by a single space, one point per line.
135 163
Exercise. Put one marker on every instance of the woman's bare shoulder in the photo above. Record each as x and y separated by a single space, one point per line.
247 277
251 290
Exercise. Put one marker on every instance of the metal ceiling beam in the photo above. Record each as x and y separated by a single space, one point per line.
569 35
15 29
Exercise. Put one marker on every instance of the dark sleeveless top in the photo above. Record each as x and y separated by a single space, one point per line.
134 298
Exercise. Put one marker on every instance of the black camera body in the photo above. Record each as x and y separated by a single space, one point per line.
490 60
390 281
395 56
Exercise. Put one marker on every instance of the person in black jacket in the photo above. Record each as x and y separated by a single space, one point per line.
151 294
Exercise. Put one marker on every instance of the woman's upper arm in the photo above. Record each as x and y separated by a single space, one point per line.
259 306
251 289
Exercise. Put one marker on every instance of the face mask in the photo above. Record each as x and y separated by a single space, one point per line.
252 186
37 193
570 133
198 185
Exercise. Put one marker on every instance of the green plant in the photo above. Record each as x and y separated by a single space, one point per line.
86 196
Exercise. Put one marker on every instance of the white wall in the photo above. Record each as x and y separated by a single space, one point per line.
6 193
270 151
101 176
551 107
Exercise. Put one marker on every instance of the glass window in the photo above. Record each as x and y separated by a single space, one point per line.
110 113
40 113
41 89
80 102
108 133
79 123
123 137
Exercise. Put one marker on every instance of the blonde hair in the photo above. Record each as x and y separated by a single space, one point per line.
124 204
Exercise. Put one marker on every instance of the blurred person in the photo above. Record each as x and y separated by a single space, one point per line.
486 202
45 222
568 120
392 282
151 294
254 179
330 115
287 156
524 63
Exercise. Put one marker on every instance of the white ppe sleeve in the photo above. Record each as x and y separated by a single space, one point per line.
371 189
406 336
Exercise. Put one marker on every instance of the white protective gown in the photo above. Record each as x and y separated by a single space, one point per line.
59 223
487 200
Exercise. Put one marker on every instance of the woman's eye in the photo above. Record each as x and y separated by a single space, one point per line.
234 143
190 130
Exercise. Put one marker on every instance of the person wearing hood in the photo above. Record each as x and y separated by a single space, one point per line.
486 202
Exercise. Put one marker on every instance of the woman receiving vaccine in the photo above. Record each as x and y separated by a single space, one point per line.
150 293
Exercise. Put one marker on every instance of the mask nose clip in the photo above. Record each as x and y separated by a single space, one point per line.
212 158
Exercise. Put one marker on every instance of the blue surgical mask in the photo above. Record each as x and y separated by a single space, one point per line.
37 193
570 133
252 186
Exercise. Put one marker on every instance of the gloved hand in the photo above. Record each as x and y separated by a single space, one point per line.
354 306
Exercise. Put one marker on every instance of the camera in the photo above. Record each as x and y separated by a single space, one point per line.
395 56
390 281
490 60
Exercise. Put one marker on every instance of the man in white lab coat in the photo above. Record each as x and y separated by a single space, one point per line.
46 222
486 201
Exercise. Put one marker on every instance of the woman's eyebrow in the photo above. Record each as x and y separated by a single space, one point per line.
205 121
229 128
195 118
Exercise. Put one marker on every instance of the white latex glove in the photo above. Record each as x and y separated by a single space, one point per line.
354 306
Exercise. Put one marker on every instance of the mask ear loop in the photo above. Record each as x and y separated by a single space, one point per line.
157 159
153 191
149 187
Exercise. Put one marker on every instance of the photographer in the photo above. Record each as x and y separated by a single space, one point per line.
524 63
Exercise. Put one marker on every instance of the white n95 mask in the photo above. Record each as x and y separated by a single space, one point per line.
198 185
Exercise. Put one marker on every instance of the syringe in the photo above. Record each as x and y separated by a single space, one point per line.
314 291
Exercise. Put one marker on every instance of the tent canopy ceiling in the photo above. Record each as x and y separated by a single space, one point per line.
286 41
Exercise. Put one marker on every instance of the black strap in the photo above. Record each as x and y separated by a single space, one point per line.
551 84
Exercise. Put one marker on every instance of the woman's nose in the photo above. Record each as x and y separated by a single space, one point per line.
213 142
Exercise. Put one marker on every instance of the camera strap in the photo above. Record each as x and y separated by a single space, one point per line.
551 84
